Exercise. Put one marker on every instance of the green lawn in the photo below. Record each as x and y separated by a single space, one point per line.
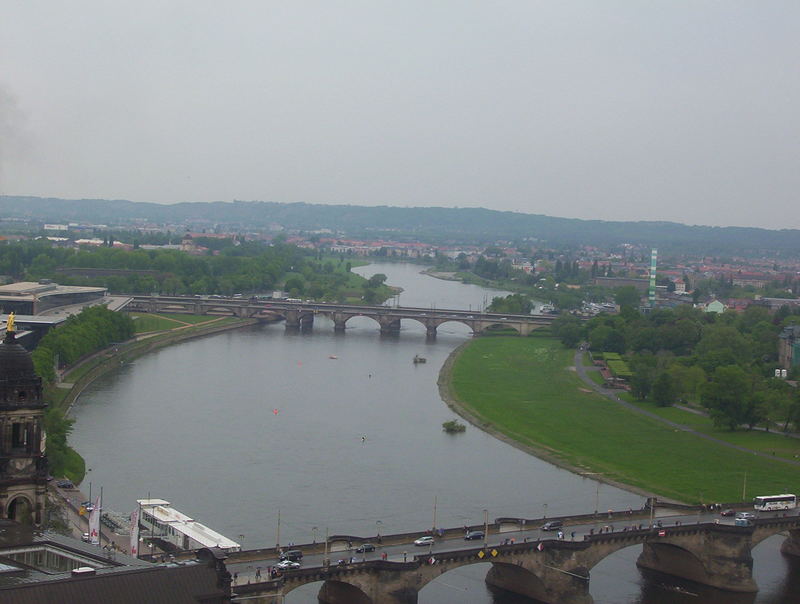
757 440
146 322
524 388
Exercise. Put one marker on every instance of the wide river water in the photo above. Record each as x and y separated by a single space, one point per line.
344 432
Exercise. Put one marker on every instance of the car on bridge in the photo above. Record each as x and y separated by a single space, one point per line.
422 541
287 565
474 536
728 512
364 548
293 554
745 516
553 525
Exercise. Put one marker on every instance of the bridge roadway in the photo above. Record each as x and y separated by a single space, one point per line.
697 545
300 314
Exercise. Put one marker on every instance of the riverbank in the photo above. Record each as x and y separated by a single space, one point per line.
62 396
526 392
445 383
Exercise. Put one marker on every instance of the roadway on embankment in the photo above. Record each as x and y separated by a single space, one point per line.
581 370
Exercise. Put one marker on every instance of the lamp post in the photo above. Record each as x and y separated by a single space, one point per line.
241 540
485 528
378 525
544 515
326 561
314 530
278 532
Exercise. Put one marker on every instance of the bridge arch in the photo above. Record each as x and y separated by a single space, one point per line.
517 579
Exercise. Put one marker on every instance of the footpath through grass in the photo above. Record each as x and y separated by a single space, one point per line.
525 388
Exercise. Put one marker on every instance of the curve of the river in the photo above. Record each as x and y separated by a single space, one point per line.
328 431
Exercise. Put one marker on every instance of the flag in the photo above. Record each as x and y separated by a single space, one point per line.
135 533
540 547
94 523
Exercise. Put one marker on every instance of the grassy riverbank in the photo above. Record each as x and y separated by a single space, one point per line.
525 389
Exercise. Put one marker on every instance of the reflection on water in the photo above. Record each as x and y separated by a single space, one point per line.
243 427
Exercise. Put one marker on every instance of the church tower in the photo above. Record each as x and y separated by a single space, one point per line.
23 465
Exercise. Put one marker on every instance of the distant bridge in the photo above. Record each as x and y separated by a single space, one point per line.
552 571
300 315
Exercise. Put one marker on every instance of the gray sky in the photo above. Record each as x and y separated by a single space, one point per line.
639 110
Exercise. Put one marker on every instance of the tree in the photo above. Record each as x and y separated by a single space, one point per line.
627 295
664 391
729 398
376 280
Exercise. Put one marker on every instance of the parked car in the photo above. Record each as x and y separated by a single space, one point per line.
474 536
87 505
365 547
65 484
292 554
287 565
426 540
728 512
553 525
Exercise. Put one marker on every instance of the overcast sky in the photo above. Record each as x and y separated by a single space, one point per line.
686 111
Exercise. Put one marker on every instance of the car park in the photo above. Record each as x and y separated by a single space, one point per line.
293 554
426 540
287 565
553 525
365 547
474 535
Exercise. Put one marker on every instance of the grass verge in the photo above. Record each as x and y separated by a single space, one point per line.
524 389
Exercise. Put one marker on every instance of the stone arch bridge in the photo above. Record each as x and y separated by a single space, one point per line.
300 315
549 571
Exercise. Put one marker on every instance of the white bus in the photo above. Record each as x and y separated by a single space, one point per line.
768 503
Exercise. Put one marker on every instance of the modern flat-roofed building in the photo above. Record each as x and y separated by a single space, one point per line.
31 298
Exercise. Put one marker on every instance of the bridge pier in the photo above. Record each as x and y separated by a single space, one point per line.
307 322
710 557
430 332
292 319
791 546
390 326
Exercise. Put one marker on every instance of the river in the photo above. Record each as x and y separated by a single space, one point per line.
268 436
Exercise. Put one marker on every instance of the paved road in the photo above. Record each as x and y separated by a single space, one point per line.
246 572
612 394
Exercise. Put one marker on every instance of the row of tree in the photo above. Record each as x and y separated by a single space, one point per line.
93 329
725 362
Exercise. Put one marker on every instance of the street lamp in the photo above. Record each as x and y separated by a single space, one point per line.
378 525
485 528
241 540
314 530
544 517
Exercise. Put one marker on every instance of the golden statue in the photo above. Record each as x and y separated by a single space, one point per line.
10 323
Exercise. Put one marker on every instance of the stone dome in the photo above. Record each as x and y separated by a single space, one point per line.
15 361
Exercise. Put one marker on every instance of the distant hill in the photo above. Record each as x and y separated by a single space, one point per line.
437 224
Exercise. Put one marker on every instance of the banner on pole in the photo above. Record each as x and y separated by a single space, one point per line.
94 523
134 549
